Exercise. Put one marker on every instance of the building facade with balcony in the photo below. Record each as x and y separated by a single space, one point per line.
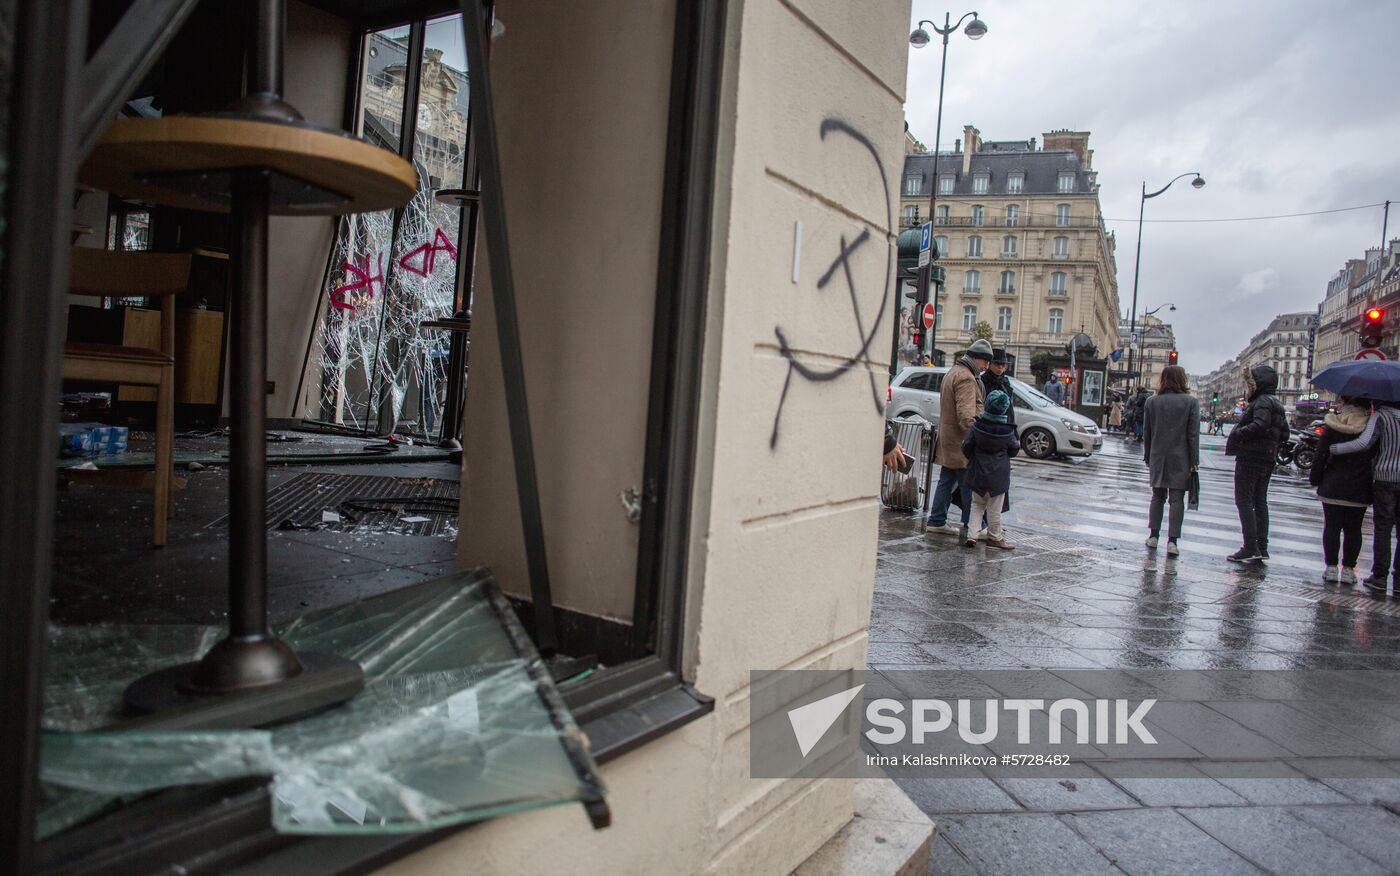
1370 281
1021 237
1225 383
1285 345
1156 340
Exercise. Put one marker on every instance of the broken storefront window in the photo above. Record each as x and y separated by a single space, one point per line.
458 721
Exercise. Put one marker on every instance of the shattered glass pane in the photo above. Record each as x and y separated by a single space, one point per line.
453 724
386 281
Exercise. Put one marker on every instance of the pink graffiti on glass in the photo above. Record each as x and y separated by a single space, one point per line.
363 280
426 254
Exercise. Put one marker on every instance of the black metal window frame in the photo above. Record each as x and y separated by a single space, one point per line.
56 110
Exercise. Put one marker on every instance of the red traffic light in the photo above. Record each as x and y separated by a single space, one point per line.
1171 357
1375 315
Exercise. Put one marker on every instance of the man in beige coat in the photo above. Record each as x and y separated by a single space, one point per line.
959 403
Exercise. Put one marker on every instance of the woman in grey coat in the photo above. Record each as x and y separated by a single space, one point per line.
1171 447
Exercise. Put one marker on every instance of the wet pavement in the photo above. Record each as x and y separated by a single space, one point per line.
1082 591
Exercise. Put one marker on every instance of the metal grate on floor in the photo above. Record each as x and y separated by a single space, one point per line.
327 502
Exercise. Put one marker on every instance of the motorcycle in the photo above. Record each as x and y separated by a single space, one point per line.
1306 452
1300 447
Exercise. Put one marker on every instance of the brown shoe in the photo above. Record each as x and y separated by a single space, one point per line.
1000 544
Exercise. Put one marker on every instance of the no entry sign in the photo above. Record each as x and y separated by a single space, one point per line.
1370 353
930 316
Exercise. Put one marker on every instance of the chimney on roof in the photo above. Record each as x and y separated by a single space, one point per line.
957 145
1076 141
974 144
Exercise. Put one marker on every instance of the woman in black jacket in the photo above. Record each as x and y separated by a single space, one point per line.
1344 484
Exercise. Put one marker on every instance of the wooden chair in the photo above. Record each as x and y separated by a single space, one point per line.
107 274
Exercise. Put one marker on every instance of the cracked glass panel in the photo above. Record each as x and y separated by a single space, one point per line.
458 720
378 367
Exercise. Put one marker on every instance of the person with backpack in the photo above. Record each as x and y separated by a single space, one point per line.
989 446
1171 448
1343 484
1254 444
1382 433
995 378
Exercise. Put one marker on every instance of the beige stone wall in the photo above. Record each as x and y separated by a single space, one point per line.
784 529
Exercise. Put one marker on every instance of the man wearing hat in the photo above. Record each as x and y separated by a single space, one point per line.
959 403
995 378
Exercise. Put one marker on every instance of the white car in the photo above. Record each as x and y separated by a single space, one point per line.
1045 428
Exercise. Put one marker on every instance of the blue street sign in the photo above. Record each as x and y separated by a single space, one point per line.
925 236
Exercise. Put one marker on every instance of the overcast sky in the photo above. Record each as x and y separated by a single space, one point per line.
1282 106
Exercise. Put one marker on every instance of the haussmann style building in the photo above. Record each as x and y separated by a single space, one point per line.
1022 240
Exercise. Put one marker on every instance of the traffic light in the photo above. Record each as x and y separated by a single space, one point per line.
1372 322
1171 358
1215 398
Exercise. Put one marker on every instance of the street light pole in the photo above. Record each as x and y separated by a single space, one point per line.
976 29
1137 265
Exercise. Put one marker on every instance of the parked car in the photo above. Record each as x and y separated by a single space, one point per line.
1045 428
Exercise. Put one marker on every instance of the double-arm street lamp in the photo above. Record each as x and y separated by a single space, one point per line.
1137 266
975 30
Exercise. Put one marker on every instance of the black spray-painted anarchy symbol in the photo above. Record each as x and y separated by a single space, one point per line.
842 261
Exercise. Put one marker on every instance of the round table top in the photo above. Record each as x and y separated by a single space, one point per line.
457 197
148 159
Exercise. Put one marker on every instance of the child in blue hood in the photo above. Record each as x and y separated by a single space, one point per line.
989 446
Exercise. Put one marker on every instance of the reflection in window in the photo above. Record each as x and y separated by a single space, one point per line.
977 214
1003 319
1008 282
1058 284
972 281
1062 247
974 246
969 317
1057 320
